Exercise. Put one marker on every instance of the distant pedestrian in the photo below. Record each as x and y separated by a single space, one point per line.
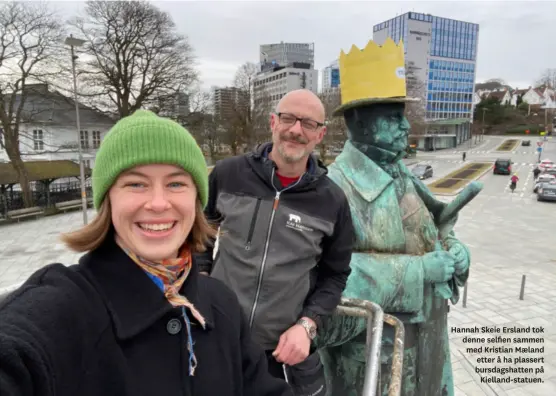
464 155
536 172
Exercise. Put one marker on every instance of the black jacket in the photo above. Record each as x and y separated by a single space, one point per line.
103 327
285 252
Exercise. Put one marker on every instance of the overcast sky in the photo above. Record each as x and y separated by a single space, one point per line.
517 39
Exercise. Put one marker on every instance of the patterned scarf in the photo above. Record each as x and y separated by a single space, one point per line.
169 275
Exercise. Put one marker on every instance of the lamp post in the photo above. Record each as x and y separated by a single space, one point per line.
74 42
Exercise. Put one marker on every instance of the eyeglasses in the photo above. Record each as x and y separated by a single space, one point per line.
306 123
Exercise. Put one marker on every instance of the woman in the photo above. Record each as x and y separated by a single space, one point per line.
134 317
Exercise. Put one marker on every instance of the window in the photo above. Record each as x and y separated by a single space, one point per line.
38 142
96 139
84 135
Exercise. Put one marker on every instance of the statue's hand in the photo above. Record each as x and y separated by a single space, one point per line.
462 259
438 266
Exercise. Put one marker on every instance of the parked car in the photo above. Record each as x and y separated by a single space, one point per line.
543 178
546 164
525 142
547 191
422 171
502 166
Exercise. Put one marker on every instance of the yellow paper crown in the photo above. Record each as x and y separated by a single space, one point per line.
373 73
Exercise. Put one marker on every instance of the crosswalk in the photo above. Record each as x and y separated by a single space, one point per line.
440 161
494 151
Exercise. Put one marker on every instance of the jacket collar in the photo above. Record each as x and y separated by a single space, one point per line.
365 176
133 300
262 165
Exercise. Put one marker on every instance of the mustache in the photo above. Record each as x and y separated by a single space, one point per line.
293 138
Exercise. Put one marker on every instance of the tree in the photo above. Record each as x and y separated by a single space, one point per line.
137 55
335 135
30 45
547 78
245 111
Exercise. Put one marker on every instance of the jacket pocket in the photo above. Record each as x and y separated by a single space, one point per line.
307 378
252 225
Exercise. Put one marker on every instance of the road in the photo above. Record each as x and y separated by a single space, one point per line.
509 235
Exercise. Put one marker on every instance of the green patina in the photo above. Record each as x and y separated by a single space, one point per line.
394 219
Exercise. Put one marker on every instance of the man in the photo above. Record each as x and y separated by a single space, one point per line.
405 259
285 235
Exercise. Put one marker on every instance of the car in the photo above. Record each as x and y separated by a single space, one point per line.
546 164
502 166
422 171
525 142
547 191
543 178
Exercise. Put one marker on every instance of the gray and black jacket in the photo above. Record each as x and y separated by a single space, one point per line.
284 251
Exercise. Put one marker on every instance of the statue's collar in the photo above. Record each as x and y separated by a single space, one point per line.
378 155
366 177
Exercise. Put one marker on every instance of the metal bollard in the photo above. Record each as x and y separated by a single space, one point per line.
522 292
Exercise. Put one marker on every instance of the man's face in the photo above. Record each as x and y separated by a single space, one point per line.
380 125
297 127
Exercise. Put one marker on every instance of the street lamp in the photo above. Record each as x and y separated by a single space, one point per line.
74 42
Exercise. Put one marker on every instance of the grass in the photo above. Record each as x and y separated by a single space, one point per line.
508 145
459 178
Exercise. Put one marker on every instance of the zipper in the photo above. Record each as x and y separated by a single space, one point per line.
267 244
252 226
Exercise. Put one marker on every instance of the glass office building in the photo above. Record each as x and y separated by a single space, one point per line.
442 53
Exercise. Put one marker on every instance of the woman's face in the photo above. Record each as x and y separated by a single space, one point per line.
153 210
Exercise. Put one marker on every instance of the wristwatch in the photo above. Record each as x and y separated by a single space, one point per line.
309 327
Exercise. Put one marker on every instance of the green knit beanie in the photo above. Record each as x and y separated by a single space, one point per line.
144 138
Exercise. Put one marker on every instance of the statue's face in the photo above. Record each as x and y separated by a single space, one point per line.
382 125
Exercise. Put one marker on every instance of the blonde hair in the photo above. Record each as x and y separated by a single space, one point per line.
91 236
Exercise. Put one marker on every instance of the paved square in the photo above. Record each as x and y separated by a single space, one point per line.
510 235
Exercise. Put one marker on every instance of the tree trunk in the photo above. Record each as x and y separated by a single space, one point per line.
23 178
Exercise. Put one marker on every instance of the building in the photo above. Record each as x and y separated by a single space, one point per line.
226 101
48 128
174 106
331 77
440 56
282 54
271 85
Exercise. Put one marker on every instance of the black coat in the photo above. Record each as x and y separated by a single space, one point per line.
103 328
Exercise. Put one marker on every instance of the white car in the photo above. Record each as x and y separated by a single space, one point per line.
545 164
543 178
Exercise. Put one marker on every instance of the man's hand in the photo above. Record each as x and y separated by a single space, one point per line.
293 346
462 259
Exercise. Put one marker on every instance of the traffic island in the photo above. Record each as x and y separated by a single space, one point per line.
508 145
458 179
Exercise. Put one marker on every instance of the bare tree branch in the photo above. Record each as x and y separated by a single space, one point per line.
30 44
137 54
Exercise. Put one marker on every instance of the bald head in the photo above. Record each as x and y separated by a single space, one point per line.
303 103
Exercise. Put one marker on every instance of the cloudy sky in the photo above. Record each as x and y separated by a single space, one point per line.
516 38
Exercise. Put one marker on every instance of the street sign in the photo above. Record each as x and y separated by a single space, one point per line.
539 144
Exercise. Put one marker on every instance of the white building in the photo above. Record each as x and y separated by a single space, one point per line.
49 130
283 54
271 86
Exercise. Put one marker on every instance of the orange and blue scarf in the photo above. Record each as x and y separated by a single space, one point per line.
169 275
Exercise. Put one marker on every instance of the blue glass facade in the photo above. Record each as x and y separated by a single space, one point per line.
334 78
450 80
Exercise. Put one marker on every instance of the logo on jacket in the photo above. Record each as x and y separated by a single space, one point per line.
294 222
295 218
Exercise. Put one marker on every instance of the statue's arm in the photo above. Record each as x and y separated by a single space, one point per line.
393 281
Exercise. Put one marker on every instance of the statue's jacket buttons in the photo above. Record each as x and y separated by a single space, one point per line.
174 326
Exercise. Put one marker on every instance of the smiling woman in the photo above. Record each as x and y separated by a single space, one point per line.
135 307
